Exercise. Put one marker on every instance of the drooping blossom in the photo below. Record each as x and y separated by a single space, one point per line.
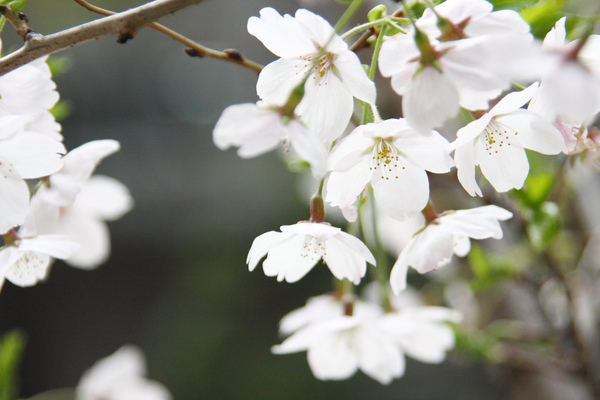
120 376
307 44
393 158
344 336
450 233
294 251
258 128
467 64
497 142
84 202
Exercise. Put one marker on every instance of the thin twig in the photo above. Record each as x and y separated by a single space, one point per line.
18 20
195 49
126 24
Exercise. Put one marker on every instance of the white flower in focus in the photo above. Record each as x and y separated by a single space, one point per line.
393 158
85 202
328 102
449 234
465 67
294 251
257 129
23 155
120 376
497 142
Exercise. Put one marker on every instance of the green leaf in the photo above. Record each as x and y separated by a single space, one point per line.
516 5
545 225
543 15
12 345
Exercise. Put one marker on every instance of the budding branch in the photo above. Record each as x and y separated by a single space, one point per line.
126 24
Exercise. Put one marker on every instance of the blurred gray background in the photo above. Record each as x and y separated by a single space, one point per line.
177 284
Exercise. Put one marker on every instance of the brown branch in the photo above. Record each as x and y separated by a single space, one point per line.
194 49
18 20
126 24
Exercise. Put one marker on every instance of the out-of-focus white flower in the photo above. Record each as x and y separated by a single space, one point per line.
257 129
23 155
84 202
341 337
120 376
393 157
437 72
307 44
449 234
26 258
294 251
497 142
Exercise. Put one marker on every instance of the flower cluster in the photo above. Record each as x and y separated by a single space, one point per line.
461 54
64 217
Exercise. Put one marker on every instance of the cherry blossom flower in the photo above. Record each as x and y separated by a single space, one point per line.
472 62
393 157
497 142
342 336
257 129
23 155
28 254
433 246
307 44
120 376
84 202
294 251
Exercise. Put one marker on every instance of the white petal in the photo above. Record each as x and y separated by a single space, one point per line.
277 80
104 197
319 31
262 245
429 342
464 158
34 155
14 198
288 262
354 77
534 132
396 53
346 257
477 223
28 269
504 167
430 152
515 100
309 148
322 231
281 35
350 150
404 192
331 358
344 187
93 236
430 100
57 246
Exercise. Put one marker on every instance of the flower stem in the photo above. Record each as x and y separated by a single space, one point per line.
348 14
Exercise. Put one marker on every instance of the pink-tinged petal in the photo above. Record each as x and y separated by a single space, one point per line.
262 245
396 53
404 192
28 269
354 78
515 100
93 236
253 129
343 188
309 148
281 35
430 100
32 154
327 107
277 80
292 259
319 31
464 158
104 198
504 167
534 132
14 198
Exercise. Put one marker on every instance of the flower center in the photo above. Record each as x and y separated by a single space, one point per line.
385 159
312 248
495 136
322 64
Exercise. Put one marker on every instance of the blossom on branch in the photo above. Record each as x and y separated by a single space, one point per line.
307 44
393 158
433 246
294 251
497 142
